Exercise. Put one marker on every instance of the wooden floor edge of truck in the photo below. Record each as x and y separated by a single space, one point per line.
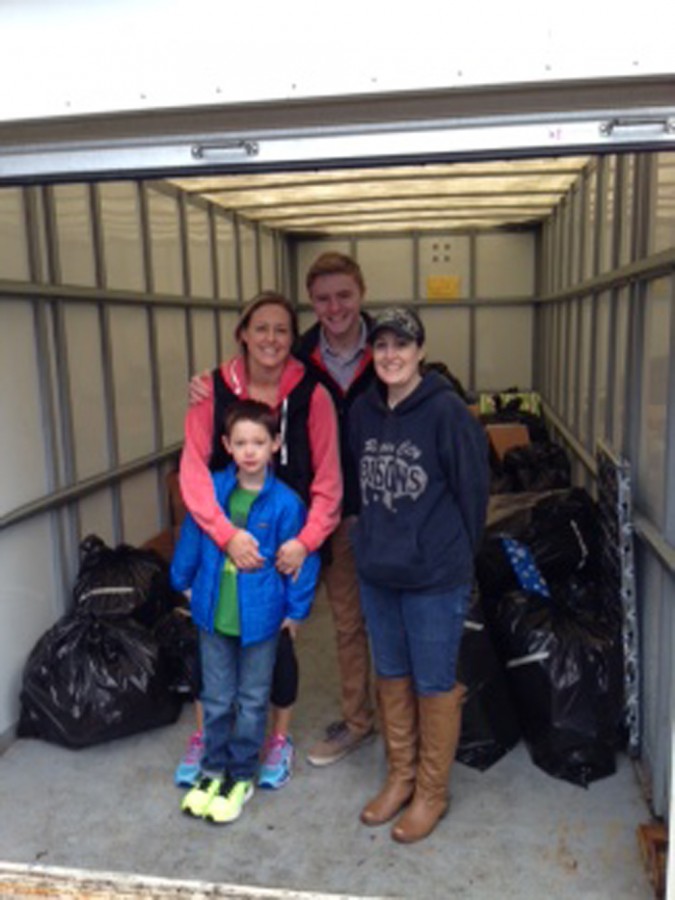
21 881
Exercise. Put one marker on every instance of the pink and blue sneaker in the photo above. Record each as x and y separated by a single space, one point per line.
187 772
277 764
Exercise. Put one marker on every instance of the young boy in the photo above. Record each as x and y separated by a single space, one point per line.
240 613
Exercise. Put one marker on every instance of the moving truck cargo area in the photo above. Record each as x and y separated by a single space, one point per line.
529 220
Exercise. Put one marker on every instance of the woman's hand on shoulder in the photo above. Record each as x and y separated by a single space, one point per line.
242 548
200 388
290 557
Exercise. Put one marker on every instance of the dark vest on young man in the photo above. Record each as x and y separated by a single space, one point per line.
304 351
293 461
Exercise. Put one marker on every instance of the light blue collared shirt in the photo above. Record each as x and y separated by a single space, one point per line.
343 366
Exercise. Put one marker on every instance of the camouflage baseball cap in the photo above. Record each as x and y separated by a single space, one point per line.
402 320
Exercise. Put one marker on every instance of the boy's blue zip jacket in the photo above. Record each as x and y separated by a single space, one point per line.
265 596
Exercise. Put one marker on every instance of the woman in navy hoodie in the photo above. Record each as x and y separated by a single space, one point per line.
423 472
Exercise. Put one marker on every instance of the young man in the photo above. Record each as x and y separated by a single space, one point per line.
337 351
240 614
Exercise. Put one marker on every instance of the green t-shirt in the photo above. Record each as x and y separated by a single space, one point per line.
227 613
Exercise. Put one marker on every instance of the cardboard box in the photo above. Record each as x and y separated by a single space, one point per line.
505 436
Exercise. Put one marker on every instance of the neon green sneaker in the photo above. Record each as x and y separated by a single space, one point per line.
196 801
228 801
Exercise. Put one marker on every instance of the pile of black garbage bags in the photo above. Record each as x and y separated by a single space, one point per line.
120 661
542 651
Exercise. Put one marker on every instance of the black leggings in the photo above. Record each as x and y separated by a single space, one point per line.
285 677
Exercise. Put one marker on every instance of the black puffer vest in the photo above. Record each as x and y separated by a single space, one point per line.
293 462
305 351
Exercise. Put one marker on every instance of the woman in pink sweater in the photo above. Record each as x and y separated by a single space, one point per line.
308 461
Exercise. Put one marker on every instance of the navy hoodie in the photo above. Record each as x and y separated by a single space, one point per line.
424 481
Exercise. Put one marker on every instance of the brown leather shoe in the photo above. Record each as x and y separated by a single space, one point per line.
338 742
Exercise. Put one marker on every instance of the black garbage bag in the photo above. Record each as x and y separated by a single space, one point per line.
500 484
563 657
124 580
511 513
442 369
550 539
546 541
509 479
564 535
489 723
540 466
92 678
494 573
178 638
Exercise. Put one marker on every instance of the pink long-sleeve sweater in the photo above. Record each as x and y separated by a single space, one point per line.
326 486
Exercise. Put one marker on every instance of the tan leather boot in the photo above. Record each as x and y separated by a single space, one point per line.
398 713
440 720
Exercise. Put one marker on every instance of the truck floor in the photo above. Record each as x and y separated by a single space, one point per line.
512 832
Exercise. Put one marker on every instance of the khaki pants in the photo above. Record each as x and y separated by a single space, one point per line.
353 653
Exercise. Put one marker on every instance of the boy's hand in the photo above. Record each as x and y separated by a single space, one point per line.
242 548
292 627
290 557
200 388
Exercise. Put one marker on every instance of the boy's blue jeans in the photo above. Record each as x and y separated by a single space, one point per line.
235 694
416 634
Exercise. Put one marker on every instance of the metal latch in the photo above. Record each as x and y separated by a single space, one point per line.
225 148
641 126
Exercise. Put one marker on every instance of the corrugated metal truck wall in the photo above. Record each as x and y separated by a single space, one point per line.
605 366
110 294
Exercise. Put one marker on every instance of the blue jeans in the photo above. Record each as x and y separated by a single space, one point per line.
416 634
236 684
